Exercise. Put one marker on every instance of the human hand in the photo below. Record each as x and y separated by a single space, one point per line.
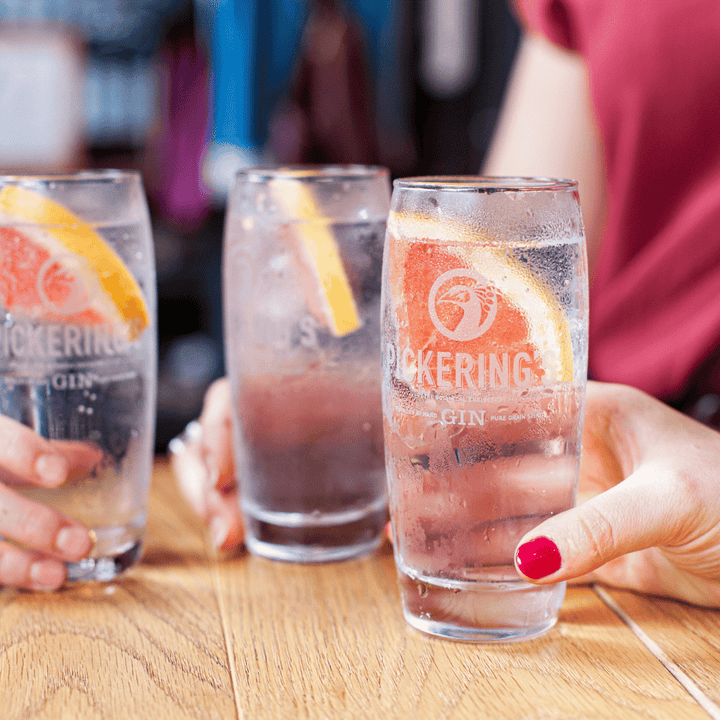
202 459
653 523
36 540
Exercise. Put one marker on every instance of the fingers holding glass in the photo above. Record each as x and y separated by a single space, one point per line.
29 571
654 527
210 493
216 425
48 539
25 457
77 365
203 463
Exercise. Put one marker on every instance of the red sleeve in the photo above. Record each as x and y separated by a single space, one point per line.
555 19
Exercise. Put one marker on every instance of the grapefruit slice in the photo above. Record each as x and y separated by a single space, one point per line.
56 267
327 288
442 268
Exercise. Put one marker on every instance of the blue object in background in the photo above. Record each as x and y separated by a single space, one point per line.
253 47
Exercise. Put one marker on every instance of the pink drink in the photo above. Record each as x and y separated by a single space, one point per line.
314 475
484 351
463 496
302 264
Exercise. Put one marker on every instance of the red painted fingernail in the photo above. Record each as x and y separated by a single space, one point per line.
538 558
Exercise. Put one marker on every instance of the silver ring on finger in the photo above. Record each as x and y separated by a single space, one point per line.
192 432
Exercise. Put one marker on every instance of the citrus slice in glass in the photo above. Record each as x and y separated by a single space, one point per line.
459 292
325 283
55 267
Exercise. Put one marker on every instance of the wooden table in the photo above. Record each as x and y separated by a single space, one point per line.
188 635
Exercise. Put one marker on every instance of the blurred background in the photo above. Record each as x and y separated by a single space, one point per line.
190 91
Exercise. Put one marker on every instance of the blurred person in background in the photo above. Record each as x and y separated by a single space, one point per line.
622 97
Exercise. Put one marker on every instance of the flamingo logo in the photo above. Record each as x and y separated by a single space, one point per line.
473 294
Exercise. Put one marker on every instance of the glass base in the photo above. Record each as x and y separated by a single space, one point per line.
315 538
310 554
488 612
103 569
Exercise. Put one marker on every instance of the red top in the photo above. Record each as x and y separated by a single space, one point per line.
654 70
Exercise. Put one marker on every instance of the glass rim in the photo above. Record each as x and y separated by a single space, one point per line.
76 176
485 183
311 173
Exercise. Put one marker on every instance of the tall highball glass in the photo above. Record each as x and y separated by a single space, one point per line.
78 347
485 318
302 265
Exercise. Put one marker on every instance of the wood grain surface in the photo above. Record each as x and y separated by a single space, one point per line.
148 646
188 635
685 638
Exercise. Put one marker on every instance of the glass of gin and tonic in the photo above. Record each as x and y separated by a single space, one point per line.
78 347
484 336
301 273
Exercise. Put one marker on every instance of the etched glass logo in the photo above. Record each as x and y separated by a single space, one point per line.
462 304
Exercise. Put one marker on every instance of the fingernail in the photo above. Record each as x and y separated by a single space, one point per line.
538 558
193 476
218 531
73 541
53 469
46 575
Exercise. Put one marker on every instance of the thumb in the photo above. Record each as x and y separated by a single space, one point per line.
642 511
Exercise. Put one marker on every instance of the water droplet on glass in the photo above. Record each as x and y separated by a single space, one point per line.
366 426
81 409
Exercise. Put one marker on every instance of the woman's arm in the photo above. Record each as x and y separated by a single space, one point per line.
547 128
